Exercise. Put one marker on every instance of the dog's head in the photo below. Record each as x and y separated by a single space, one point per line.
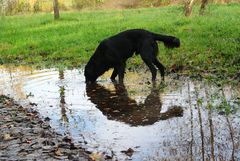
90 73
176 42
172 42
95 68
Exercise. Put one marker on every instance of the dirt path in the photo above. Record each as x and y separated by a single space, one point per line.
25 136
124 4
116 4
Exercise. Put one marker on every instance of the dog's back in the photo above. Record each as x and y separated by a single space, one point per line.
133 40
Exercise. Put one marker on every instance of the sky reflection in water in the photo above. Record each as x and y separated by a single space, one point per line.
158 122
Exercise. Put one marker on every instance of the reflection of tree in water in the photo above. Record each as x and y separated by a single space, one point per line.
62 98
119 106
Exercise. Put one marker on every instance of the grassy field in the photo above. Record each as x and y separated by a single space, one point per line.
210 43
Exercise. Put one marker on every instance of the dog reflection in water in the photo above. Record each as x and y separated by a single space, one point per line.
120 107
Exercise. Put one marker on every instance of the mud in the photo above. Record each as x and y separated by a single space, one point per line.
25 136
180 119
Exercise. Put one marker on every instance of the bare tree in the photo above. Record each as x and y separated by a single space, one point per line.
203 6
188 7
55 9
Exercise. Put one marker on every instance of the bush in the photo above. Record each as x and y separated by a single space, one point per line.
36 7
80 4
10 7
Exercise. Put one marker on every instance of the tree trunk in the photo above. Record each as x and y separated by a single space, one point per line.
188 7
55 9
203 6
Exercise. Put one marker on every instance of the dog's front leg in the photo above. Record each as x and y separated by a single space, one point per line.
121 71
114 74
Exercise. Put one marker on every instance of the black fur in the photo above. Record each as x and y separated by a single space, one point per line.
114 51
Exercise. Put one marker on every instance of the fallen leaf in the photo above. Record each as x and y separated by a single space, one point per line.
173 68
58 152
128 152
7 137
67 139
28 141
47 119
48 147
96 156
107 157
7 103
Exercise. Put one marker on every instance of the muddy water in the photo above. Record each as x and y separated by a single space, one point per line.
175 120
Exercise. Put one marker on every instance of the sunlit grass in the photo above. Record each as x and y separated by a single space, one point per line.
209 42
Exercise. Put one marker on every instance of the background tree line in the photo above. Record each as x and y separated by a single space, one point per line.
11 7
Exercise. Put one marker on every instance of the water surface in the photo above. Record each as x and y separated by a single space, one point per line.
170 121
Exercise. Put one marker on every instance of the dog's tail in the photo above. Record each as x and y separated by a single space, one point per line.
169 41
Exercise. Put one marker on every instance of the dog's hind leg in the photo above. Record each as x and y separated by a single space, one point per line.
148 54
151 67
160 67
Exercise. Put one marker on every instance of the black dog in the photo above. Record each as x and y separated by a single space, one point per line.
114 51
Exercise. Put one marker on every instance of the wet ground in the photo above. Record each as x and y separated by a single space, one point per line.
25 136
179 119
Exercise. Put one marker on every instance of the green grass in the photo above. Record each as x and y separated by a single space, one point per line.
210 43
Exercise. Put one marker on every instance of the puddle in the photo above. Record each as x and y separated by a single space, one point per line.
174 121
